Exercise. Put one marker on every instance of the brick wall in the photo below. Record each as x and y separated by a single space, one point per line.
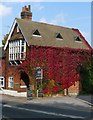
74 89
2 67
12 71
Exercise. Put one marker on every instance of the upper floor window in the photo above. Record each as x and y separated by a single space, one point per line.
59 36
36 33
17 50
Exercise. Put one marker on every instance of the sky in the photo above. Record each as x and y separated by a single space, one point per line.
67 14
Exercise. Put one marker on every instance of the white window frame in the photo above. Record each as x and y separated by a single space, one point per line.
10 82
35 35
58 38
15 50
77 40
3 80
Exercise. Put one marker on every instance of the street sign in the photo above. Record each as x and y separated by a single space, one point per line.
39 73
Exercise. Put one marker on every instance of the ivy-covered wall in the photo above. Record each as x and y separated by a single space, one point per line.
60 66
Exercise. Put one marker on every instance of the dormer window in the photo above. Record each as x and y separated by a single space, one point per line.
17 50
36 33
77 39
59 36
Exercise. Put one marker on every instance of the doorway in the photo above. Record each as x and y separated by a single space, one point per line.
24 76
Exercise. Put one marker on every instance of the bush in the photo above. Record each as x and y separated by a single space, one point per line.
87 78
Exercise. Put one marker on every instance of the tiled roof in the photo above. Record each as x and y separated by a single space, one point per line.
48 35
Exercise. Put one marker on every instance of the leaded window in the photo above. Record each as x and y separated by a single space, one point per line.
17 50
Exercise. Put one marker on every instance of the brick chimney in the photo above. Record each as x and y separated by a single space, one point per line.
26 13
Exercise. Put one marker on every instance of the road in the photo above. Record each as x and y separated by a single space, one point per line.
42 109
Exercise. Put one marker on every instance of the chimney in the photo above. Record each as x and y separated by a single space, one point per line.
29 7
26 13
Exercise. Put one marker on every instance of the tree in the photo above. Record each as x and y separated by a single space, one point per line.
86 74
5 39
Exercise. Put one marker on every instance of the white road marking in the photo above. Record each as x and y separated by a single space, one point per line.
44 112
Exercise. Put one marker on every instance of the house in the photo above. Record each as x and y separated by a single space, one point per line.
54 47
2 67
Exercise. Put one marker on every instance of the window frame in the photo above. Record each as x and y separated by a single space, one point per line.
36 35
10 82
15 50
1 81
59 38
77 37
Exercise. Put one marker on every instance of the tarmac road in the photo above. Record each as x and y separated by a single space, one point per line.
43 108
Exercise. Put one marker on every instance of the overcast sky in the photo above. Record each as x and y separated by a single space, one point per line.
68 14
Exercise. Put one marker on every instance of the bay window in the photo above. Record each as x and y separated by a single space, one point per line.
17 50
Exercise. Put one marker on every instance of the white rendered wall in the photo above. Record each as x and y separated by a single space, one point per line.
14 93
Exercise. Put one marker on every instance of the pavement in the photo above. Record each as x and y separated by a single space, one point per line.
86 98
81 100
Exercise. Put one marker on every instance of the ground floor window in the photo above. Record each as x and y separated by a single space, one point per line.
10 82
2 82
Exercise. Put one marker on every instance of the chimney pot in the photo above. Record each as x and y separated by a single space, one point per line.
28 7
26 13
23 9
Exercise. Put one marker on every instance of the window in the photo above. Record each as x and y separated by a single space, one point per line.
36 33
59 36
17 50
77 38
22 49
2 80
10 82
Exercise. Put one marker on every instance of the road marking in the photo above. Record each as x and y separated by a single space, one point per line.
44 112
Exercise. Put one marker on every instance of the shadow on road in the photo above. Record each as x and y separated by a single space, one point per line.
17 114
